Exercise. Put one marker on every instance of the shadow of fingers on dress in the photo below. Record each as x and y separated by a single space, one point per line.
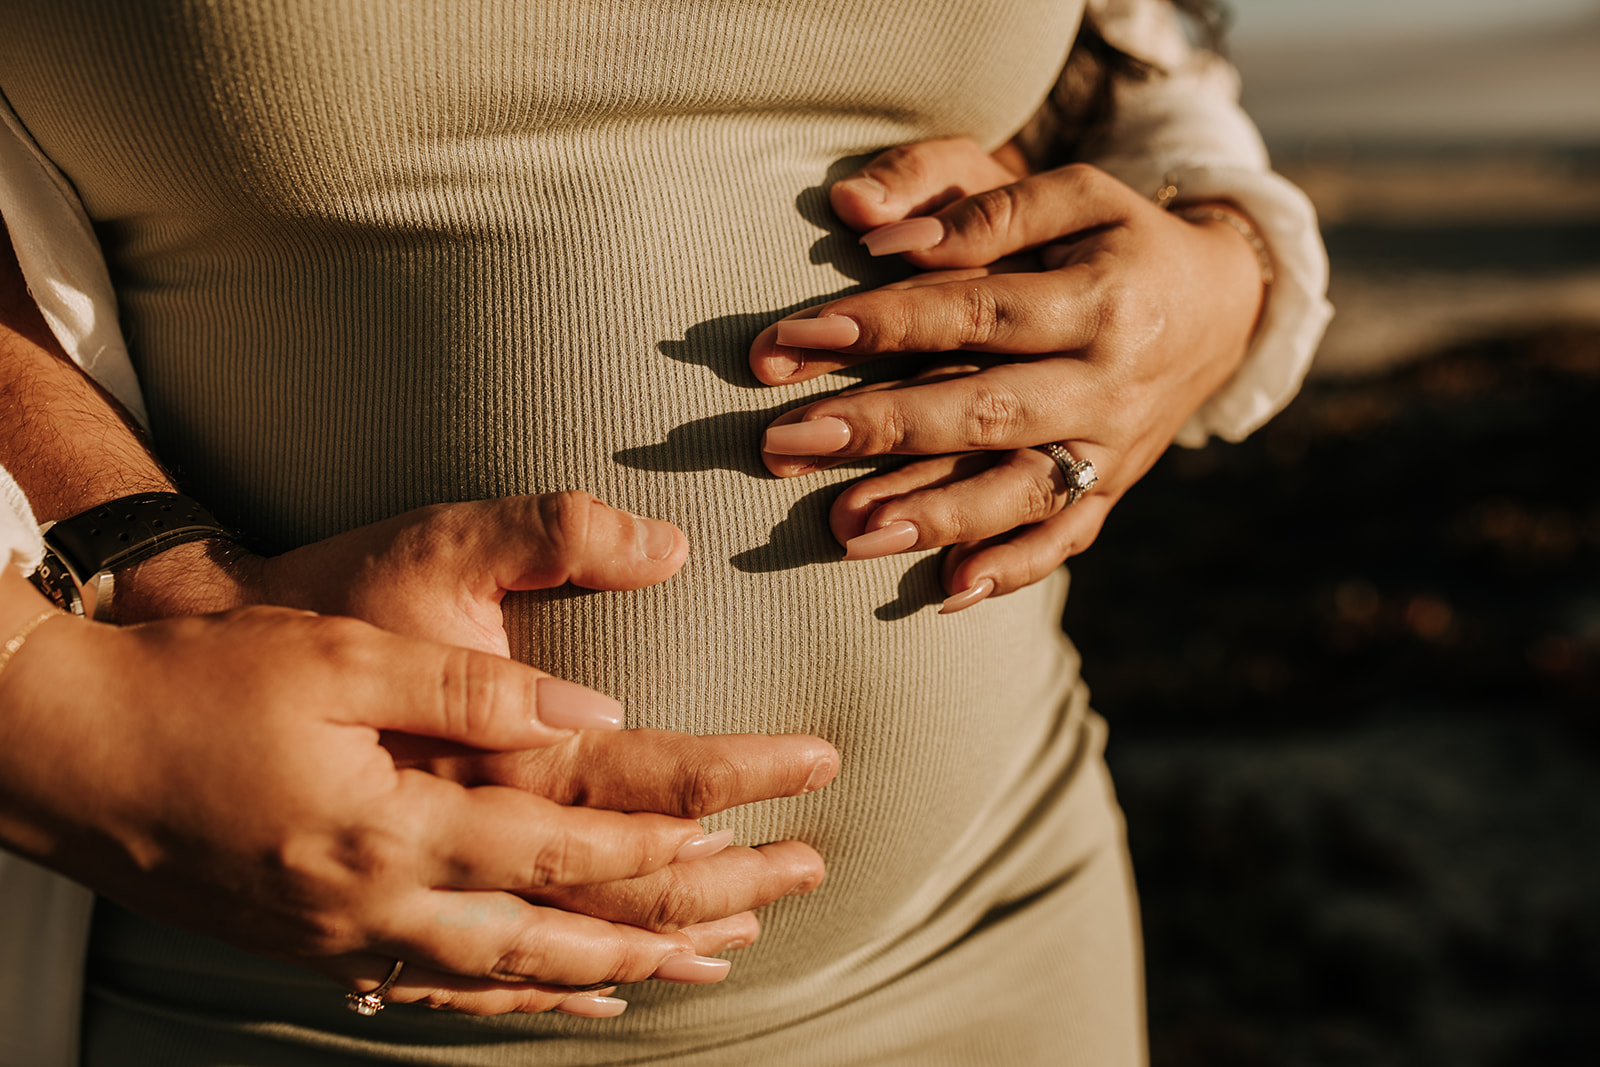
729 441
799 539
919 588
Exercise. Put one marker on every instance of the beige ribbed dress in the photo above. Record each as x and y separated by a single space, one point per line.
373 254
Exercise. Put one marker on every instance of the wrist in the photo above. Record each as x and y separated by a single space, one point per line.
196 578
94 562
1243 264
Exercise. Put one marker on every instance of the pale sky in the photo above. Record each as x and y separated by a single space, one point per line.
1255 20
1440 70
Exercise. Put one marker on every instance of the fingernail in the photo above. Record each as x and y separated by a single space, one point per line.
736 943
829 331
593 1007
967 597
698 848
821 775
804 886
815 437
695 970
783 367
895 537
867 188
656 539
569 706
909 235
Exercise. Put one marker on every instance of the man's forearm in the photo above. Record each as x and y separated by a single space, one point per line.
67 443
70 447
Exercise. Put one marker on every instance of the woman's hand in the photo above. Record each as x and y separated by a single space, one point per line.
1062 307
225 774
285 708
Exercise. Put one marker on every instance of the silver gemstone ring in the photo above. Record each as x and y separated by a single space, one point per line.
1079 473
372 1003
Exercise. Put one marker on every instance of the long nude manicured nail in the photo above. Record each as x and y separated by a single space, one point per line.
830 331
694 970
867 188
909 235
698 848
594 1007
815 437
569 706
656 539
895 537
967 597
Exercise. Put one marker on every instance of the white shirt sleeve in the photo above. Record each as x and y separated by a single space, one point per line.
1188 124
61 260
20 545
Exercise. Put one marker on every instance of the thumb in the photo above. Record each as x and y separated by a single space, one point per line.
540 542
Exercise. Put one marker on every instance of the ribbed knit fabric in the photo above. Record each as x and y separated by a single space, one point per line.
373 255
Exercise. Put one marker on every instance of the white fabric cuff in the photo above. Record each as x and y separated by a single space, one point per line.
1187 125
20 544
1296 311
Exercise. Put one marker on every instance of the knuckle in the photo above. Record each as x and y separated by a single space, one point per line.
1126 315
943 523
567 516
992 414
885 426
909 161
888 321
470 691
709 787
674 905
556 862
992 212
980 315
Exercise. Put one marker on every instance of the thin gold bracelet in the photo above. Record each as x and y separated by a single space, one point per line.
21 636
1238 222
1164 196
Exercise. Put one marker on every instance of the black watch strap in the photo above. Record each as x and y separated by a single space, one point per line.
128 531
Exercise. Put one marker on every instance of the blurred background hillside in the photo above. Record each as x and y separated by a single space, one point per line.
1352 666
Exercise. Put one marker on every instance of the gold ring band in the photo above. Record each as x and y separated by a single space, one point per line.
372 1003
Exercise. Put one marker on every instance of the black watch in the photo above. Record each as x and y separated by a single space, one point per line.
83 553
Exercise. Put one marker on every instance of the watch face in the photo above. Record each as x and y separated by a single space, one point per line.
56 582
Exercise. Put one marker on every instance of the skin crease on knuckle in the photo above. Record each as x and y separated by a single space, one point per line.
979 317
558 861
992 415
989 215
675 905
566 516
709 786
903 164
467 691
